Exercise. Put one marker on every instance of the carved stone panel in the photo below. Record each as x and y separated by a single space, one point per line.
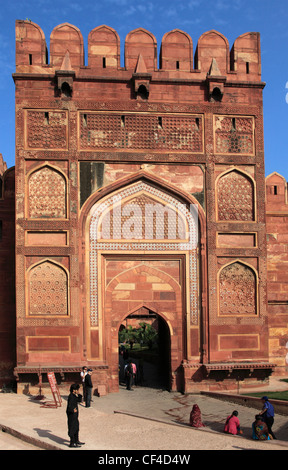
235 196
46 129
48 290
237 290
47 194
234 135
137 131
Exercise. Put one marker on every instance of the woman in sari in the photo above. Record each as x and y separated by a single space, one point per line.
195 417
232 424
260 429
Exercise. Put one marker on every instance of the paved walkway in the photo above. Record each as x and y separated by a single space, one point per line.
143 419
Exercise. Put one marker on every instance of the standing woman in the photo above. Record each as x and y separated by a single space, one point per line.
73 415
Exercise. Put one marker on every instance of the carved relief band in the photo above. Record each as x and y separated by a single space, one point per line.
46 129
140 131
234 135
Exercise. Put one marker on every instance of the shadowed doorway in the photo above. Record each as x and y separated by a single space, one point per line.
144 337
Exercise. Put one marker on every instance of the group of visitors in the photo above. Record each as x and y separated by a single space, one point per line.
75 398
136 377
261 427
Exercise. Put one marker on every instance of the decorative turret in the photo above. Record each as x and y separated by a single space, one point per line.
141 78
215 82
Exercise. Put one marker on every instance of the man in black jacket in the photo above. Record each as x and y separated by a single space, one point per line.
88 388
73 415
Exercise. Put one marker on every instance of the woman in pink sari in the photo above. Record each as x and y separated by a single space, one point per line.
232 424
195 417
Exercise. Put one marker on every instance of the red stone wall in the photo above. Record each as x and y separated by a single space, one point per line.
7 269
277 269
191 133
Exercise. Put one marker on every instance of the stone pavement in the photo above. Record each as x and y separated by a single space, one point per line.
144 419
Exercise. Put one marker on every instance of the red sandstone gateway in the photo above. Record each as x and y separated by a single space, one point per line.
97 146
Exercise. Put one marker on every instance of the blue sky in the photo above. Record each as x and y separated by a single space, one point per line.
230 17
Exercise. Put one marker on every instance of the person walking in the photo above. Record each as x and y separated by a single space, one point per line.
268 414
88 388
73 416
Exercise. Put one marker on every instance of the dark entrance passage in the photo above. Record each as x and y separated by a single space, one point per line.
144 338
164 354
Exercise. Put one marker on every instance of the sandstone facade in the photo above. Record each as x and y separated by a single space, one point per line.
97 145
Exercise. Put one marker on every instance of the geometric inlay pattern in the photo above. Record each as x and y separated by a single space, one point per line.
234 135
237 290
46 130
140 132
47 194
48 290
125 245
235 195
142 218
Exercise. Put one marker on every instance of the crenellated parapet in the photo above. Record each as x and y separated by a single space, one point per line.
212 56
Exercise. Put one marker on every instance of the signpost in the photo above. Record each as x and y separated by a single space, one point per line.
55 392
39 396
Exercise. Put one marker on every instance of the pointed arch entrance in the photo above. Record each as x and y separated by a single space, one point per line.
142 248
144 286
153 361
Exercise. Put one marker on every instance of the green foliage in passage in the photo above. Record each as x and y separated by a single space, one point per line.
145 336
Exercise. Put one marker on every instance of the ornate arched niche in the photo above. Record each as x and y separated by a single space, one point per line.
235 197
47 194
237 290
141 224
47 284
